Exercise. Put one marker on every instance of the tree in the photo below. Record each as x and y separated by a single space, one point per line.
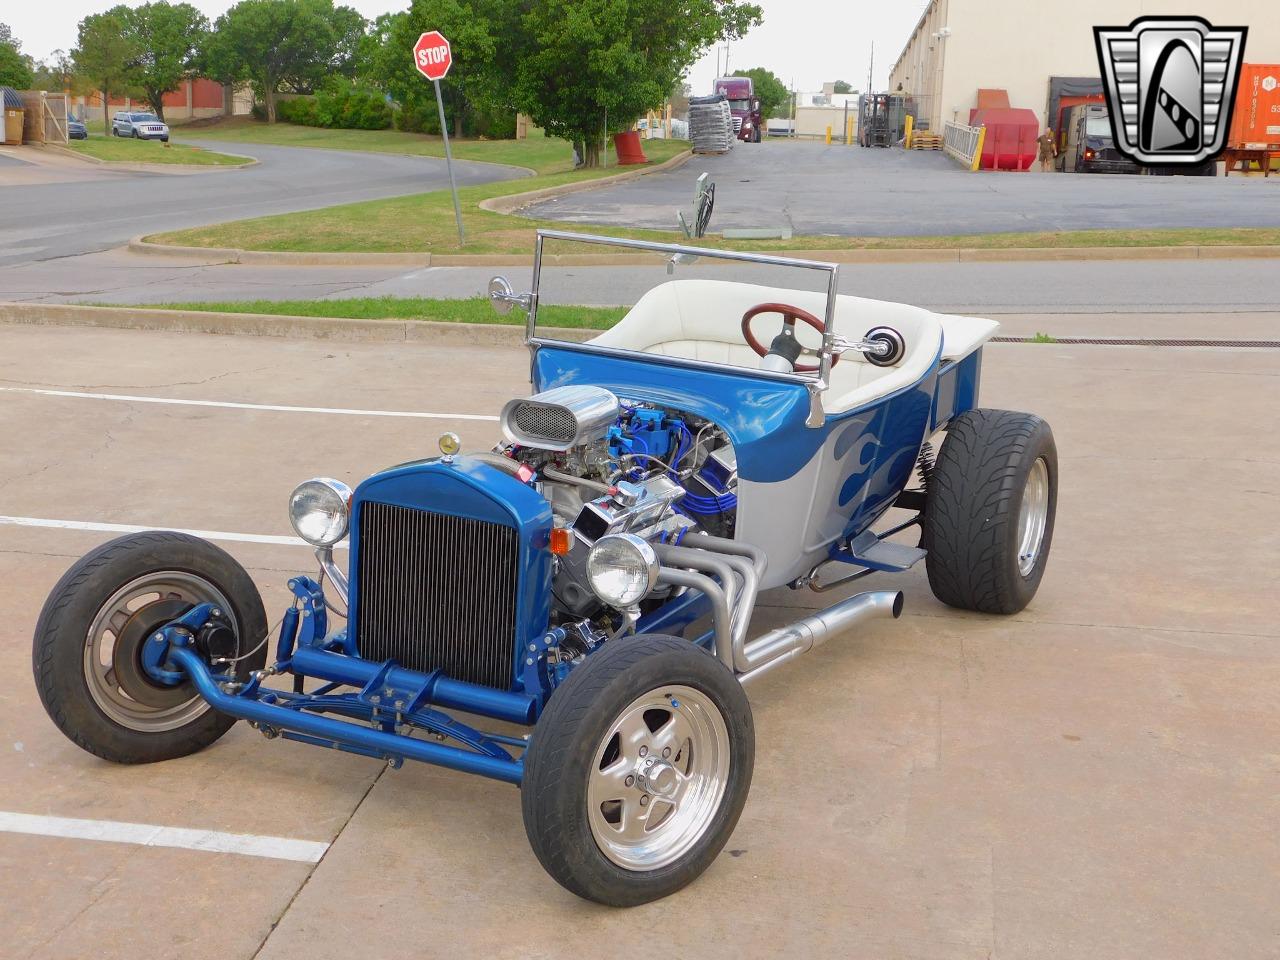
295 44
166 40
841 86
57 72
584 68
474 85
15 67
101 54
772 93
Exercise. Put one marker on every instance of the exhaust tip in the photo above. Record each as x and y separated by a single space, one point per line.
897 604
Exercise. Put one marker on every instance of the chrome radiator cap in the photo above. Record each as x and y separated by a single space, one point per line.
560 419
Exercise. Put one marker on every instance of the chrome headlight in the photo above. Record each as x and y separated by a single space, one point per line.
320 510
622 569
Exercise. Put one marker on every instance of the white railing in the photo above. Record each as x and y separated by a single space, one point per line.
963 143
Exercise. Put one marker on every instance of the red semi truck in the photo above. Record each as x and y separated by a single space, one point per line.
748 124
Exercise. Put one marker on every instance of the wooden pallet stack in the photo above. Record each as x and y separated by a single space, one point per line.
926 141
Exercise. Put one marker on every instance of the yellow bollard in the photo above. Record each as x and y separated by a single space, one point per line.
977 154
828 134
906 131
848 132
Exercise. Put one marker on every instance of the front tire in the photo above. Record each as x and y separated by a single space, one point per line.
649 727
989 512
86 652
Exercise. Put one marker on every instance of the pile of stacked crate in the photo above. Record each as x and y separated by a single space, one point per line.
710 124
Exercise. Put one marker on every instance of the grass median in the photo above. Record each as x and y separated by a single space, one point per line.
537 152
414 224
469 310
126 150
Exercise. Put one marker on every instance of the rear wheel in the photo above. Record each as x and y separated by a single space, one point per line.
88 642
638 770
989 512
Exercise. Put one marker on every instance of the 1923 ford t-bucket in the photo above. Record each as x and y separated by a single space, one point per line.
593 577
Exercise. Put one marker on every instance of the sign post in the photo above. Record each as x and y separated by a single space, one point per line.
433 58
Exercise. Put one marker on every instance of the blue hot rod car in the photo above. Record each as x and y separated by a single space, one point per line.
592 578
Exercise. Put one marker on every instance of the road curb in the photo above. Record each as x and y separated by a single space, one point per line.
272 325
518 201
873 255
180 169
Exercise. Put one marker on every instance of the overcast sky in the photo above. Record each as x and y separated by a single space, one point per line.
805 42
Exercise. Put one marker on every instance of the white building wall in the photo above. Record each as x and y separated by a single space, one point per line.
1016 45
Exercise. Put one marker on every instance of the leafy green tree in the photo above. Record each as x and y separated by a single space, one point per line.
584 68
841 86
57 72
293 44
166 40
103 49
474 85
773 95
15 68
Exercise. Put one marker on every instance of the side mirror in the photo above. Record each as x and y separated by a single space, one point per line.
755 105
502 297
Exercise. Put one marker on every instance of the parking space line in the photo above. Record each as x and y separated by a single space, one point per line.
231 405
131 528
148 835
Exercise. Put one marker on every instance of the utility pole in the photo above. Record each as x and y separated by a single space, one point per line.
871 66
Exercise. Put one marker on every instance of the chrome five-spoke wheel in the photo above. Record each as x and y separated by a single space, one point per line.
638 770
659 776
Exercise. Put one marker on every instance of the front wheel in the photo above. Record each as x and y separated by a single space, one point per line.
989 511
638 771
87 653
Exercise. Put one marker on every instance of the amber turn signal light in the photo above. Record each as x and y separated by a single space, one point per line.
561 540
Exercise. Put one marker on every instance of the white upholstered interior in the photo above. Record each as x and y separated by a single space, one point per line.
701 320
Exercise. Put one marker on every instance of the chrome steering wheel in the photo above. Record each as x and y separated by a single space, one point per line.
790 315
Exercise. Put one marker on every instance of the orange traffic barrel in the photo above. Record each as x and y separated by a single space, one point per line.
628 146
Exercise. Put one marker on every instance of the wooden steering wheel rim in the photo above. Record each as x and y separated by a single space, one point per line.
790 315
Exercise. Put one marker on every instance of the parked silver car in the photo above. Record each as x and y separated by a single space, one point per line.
140 126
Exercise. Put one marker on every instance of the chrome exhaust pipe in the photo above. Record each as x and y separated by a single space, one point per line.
796 639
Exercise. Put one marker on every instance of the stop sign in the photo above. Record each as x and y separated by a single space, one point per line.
432 56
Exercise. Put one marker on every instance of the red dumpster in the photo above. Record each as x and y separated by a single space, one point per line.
1011 138
627 144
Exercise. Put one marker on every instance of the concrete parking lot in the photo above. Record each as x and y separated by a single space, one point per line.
812 188
1096 777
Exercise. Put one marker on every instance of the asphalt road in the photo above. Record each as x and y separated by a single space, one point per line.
1095 777
51 220
1166 286
811 188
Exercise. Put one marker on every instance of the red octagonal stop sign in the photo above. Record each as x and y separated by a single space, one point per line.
432 56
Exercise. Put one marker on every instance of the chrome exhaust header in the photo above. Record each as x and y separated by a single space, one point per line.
796 639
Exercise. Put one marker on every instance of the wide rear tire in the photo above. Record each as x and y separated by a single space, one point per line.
989 512
85 653
649 727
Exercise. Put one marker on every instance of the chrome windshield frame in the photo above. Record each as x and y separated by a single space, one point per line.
815 385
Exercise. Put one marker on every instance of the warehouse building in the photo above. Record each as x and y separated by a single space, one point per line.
1040 51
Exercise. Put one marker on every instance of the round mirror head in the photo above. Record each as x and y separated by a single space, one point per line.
501 295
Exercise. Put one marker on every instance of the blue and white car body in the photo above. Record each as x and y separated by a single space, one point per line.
661 475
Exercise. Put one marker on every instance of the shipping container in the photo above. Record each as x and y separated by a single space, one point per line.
1257 112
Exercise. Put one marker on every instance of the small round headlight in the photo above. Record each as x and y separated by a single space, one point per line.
622 569
318 510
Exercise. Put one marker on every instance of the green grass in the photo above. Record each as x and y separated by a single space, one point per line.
124 150
471 310
539 153
1042 338
414 224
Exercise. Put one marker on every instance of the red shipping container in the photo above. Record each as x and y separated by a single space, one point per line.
1011 138
1257 113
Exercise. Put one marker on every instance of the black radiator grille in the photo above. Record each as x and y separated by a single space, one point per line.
436 591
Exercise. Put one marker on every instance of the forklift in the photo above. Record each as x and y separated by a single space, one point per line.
875 125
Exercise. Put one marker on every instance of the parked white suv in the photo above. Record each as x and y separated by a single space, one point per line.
140 126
